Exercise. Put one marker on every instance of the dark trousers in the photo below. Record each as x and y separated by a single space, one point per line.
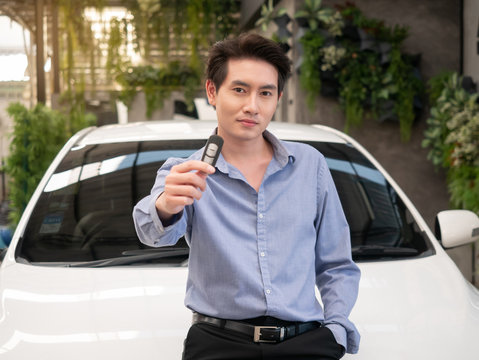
207 342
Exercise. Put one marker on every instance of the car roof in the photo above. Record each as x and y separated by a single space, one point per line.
198 129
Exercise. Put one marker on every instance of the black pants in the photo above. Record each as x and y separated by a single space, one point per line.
207 342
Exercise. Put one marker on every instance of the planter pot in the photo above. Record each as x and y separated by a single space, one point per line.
469 85
282 21
387 112
302 22
284 46
351 32
329 84
366 41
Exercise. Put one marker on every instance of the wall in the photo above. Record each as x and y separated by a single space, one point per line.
471 39
434 28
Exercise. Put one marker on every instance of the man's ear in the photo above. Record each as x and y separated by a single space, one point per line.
280 96
211 92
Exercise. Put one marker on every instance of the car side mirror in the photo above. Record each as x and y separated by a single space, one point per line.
457 227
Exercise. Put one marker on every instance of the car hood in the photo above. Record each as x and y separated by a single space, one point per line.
407 309
79 313
416 309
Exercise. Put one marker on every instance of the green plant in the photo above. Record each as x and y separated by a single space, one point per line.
77 43
373 77
95 51
314 13
406 87
172 38
309 76
463 173
191 24
453 138
436 84
331 55
383 82
268 14
117 56
158 83
357 78
451 101
37 136
464 134
463 187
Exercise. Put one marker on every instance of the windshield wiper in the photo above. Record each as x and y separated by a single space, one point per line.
380 251
133 257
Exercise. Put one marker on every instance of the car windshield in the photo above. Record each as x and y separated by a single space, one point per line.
84 215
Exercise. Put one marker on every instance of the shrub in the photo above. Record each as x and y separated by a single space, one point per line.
38 135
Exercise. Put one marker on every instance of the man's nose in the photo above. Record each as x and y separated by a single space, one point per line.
251 104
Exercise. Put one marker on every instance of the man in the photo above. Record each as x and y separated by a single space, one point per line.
264 227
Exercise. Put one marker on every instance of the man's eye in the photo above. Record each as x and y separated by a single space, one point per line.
239 90
266 93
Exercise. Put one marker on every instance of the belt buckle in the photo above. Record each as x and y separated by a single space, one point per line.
257 334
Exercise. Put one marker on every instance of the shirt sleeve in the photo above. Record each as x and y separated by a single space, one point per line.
337 276
148 226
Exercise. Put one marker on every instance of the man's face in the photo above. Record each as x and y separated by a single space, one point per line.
246 100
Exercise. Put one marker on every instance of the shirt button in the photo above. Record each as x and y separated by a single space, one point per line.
260 216
262 254
268 291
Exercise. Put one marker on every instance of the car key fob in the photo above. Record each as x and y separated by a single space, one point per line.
212 150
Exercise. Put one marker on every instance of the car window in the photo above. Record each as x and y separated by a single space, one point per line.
381 226
85 211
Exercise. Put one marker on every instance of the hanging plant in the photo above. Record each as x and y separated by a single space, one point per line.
192 25
363 64
158 83
164 29
97 50
309 75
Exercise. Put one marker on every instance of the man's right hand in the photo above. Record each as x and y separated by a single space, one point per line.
185 183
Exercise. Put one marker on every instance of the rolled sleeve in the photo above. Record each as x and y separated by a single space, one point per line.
148 225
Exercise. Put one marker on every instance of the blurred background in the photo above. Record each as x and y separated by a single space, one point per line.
399 76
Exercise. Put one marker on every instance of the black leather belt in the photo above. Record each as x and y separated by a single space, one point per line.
269 334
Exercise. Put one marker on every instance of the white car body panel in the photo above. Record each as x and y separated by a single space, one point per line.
81 313
413 309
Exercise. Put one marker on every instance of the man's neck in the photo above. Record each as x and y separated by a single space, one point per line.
250 158
254 150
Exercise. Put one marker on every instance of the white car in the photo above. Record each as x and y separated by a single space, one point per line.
76 283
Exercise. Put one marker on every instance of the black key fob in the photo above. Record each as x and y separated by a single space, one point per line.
212 150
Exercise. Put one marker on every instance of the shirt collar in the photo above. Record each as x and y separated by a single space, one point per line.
280 153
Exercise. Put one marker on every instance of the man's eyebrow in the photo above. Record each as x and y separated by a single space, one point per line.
266 86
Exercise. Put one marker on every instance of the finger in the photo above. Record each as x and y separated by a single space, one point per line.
194 179
167 206
192 165
188 191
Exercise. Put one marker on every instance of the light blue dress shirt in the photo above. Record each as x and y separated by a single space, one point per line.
262 253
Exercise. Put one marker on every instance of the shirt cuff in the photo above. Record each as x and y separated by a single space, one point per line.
156 218
339 333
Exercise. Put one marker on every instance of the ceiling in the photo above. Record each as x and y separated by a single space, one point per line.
21 11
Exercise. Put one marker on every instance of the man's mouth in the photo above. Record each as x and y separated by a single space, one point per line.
248 122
